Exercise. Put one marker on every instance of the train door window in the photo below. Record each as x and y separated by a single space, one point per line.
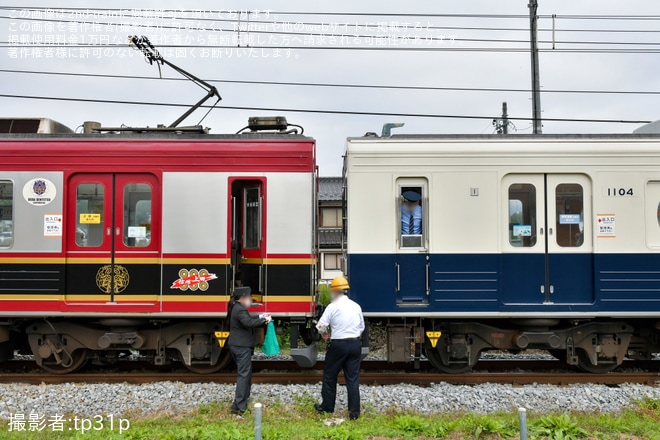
522 215
653 214
90 202
569 223
252 221
137 214
6 213
411 216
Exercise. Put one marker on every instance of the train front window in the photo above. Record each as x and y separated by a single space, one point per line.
137 215
522 215
89 214
570 222
6 213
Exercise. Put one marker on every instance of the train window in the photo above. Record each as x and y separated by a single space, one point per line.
569 222
89 214
137 215
6 213
522 215
411 217
252 223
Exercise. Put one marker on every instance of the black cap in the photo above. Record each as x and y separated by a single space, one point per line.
240 292
412 196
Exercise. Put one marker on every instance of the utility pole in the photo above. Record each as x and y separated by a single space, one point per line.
502 124
536 82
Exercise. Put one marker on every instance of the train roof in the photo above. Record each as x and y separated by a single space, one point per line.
274 128
504 137
149 136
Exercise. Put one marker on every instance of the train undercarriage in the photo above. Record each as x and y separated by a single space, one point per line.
455 346
64 346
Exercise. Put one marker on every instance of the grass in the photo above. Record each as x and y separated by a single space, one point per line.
300 422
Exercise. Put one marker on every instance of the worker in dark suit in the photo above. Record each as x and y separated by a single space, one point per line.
241 343
342 323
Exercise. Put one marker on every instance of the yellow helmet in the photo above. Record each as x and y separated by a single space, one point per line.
339 283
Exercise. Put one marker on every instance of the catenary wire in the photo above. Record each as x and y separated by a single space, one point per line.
334 112
318 84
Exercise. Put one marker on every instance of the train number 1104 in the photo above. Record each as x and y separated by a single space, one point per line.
617 192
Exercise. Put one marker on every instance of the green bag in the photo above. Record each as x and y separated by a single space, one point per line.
271 346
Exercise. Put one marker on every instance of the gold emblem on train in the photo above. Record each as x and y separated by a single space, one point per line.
104 278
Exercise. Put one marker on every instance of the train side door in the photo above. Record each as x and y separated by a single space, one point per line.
247 234
113 240
412 260
524 249
548 253
570 239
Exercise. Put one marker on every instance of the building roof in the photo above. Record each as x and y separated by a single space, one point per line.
330 238
330 189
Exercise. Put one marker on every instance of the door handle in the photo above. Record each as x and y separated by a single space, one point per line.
117 232
108 231
428 279
542 288
398 278
541 231
550 231
552 289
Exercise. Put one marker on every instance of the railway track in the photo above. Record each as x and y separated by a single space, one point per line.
514 372
287 378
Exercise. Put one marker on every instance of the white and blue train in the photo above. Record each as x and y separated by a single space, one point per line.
463 244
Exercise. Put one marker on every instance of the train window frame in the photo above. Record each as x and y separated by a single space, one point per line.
7 226
526 236
137 234
564 219
82 229
412 242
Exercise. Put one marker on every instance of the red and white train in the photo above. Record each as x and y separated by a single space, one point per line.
119 241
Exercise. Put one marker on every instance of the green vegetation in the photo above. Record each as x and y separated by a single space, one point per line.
324 295
558 428
300 422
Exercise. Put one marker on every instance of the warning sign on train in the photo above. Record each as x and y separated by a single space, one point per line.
39 192
605 225
90 219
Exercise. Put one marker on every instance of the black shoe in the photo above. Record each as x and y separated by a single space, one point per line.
353 417
238 412
319 408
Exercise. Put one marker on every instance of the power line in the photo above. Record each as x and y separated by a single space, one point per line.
333 112
334 24
335 85
247 48
347 14
425 38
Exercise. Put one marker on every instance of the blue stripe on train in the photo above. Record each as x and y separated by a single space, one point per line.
505 282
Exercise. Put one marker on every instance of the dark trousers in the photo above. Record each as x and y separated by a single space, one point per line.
243 358
342 355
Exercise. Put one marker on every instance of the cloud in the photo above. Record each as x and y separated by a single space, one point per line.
410 68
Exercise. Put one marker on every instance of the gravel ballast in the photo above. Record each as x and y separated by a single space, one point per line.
176 398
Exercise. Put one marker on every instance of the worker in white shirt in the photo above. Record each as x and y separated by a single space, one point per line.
346 323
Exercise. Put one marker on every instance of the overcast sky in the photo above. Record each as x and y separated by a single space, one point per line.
402 67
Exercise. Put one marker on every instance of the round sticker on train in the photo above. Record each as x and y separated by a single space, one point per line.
39 191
